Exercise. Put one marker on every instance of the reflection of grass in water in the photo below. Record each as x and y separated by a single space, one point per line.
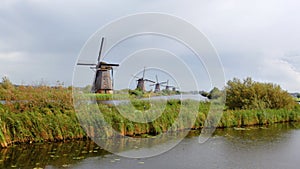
55 154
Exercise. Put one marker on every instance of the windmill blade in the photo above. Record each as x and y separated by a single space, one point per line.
144 72
86 64
109 64
162 83
112 77
135 76
156 78
152 85
100 50
147 80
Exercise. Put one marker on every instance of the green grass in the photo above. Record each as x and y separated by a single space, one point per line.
176 117
47 114
38 127
53 124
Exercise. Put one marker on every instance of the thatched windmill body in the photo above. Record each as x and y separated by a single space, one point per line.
157 85
103 81
141 82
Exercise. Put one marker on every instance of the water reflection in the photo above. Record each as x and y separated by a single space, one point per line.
55 154
274 146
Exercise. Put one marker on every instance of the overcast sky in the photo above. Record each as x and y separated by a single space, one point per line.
41 39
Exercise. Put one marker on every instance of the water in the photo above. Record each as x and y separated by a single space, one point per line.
196 97
271 147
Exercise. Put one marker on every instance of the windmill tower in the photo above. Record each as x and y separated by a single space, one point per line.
169 86
141 82
103 82
157 85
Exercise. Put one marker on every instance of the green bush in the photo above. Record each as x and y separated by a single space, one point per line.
255 95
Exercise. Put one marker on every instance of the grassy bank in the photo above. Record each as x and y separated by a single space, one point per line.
43 113
37 114
38 127
170 120
56 125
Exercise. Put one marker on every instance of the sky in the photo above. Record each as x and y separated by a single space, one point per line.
41 40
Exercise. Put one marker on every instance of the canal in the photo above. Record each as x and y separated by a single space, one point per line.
270 147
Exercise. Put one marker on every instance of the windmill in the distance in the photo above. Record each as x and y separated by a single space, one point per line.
157 85
103 81
141 82
169 86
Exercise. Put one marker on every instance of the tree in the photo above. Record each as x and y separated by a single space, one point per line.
255 95
215 93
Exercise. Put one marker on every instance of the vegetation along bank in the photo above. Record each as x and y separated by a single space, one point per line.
42 113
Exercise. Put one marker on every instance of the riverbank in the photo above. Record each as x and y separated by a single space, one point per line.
44 126
170 121
53 124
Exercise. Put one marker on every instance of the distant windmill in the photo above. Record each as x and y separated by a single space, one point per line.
141 82
169 86
103 74
157 85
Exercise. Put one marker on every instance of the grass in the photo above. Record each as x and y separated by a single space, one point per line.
177 117
38 127
56 125
42 113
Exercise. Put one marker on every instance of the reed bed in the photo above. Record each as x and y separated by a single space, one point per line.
43 113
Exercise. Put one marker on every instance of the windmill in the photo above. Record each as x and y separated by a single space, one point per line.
169 86
157 85
103 74
141 82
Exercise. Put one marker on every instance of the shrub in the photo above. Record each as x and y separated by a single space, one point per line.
255 95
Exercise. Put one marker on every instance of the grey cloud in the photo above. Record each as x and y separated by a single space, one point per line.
49 34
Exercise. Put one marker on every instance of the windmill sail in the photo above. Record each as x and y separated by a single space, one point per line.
103 75
141 81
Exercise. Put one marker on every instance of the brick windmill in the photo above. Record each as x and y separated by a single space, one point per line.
157 85
141 82
103 81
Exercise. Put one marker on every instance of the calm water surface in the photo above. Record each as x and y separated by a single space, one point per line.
271 147
196 97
